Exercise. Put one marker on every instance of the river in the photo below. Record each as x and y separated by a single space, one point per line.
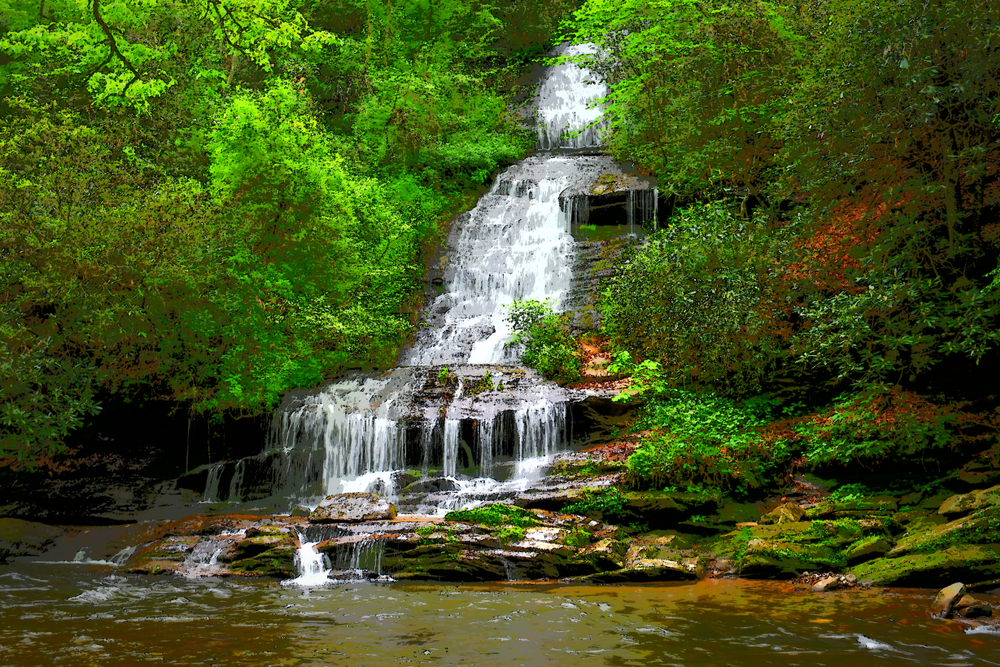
62 614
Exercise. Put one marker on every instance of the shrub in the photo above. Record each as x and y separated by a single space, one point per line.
548 345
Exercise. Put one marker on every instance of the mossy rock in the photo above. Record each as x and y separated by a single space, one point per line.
967 563
443 562
869 548
982 527
252 547
780 560
968 502
163 556
855 509
652 570
277 562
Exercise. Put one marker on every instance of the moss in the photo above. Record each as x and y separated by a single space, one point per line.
982 527
497 514
966 563
866 549
278 563
508 534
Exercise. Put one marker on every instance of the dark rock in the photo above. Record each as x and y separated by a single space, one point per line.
978 610
353 508
946 598
433 485
25 538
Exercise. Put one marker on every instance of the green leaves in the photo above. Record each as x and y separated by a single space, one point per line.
548 345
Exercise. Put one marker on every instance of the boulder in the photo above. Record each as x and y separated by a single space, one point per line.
946 598
967 502
827 584
787 513
867 549
353 508
969 562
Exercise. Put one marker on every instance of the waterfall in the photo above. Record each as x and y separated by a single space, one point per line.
212 482
569 113
515 244
363 555
310 565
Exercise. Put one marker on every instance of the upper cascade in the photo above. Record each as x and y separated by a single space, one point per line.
569 109
514 245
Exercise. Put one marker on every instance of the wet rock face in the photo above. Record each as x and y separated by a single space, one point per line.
519 545
353 508
25 538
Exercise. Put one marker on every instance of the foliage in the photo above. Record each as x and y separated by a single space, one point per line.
212 204
577 538
856 152
882 426
446 377
485 383
699 298
496 514
608 502
548 345
707 440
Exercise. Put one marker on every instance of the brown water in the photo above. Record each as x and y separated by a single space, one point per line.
62 614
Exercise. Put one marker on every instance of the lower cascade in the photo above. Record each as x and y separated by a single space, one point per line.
310 564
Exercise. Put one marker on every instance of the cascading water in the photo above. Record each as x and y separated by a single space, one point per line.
310 564
569 112
516 244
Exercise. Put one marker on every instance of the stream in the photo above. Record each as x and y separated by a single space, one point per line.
81 615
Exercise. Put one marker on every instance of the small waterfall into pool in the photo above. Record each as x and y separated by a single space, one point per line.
310 565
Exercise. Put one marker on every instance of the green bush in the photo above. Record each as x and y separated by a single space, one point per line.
704 439
609 502
548 345
497 514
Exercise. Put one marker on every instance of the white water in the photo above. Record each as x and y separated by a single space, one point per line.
569 113
310 565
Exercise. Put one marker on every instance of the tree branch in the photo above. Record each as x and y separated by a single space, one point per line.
113 46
